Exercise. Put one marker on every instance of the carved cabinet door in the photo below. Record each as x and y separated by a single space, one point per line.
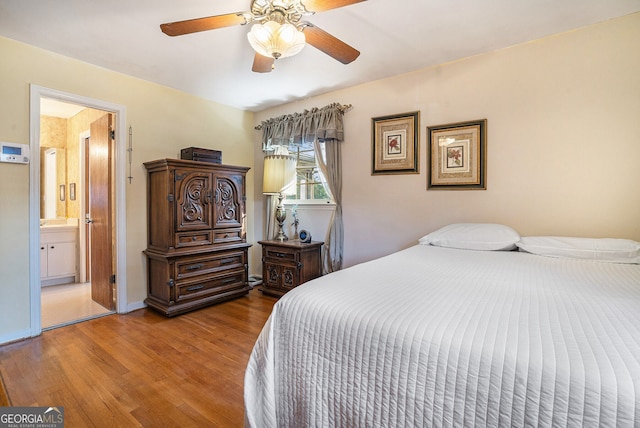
228 200
281 277
194 194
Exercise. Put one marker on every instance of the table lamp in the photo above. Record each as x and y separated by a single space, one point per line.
279 179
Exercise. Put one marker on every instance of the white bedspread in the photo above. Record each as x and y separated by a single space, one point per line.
431 337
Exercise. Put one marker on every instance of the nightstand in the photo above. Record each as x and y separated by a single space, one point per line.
287 264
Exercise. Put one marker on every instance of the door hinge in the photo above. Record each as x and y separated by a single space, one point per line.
170 197
112 134
112 279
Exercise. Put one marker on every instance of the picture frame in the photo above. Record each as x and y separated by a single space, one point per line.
395 144
457 156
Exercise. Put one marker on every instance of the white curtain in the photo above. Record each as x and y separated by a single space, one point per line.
309 129
331 168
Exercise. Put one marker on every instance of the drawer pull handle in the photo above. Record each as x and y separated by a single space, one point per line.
280 255
195 287
229 281
193 238
194 267
227 261
170 283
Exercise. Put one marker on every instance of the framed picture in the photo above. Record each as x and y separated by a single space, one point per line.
458 156
395 144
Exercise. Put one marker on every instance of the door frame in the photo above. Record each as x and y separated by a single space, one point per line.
37 92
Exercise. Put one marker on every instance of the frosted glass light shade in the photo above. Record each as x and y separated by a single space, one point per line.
279 175
276 41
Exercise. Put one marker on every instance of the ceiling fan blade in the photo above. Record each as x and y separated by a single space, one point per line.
330 45
322 5
202 24
262 64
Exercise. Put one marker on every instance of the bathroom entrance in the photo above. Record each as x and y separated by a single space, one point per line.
76 215
73 194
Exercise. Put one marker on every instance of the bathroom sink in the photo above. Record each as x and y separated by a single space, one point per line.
58 222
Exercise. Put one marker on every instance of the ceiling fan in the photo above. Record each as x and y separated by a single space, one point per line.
278 30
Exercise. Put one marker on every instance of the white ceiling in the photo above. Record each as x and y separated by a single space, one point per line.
393 36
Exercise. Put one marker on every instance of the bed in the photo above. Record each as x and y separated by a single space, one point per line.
536 331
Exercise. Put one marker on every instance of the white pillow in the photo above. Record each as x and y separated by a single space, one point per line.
473 236
600 249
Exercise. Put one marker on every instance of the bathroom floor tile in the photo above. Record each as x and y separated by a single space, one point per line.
67 304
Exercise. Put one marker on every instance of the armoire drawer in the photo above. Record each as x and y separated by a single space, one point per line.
193 239
227 235
196 266
213 284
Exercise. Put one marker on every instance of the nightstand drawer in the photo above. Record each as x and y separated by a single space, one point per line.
280 254
193 267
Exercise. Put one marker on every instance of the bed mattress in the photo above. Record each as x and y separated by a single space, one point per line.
431 337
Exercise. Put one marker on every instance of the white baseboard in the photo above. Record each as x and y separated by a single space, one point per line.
135 306
15 337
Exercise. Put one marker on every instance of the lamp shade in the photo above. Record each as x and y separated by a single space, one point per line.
279 175
274 40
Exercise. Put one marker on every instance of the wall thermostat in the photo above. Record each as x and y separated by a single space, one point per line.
305 236
14 152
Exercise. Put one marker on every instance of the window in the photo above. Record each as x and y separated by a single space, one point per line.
310 184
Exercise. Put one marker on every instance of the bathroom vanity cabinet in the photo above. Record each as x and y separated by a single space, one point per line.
58 255
197 253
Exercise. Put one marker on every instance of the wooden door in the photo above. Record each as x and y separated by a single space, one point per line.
100 211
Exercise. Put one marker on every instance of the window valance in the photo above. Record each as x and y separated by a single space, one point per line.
301 129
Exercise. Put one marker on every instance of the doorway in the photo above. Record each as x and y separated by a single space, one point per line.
76 148
105 223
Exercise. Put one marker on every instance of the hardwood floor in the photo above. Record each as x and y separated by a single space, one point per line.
141 369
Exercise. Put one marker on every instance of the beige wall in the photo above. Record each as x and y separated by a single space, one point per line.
563 142
163 121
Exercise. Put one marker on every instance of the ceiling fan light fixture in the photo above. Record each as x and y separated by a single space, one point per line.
275 40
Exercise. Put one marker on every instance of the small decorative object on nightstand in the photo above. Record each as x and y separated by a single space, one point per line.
287 264
304 236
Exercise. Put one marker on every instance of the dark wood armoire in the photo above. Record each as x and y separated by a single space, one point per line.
197 253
